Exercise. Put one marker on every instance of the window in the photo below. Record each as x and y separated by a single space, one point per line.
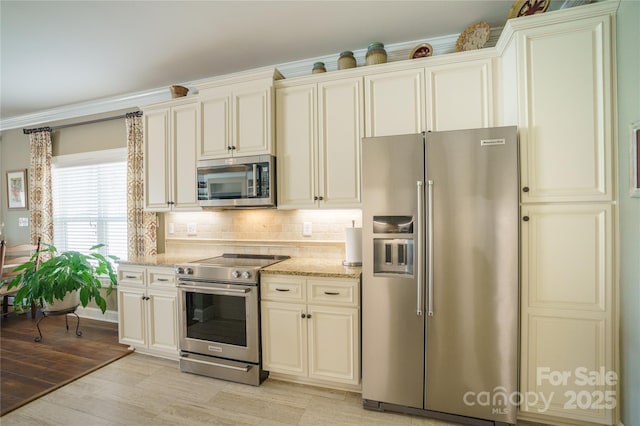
90 201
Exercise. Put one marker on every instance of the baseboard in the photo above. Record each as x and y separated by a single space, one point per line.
96 314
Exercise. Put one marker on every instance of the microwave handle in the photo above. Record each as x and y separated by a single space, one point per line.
255 180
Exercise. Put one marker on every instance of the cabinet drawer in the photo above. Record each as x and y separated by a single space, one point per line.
163 277
131 276
333 292
283 289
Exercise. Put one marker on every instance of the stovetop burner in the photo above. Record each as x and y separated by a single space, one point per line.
242 260
228 268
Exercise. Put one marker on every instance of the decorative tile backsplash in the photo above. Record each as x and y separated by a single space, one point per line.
262 231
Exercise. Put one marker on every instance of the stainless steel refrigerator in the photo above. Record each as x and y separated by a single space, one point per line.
440 285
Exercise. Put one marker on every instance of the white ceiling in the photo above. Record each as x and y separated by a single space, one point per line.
60 53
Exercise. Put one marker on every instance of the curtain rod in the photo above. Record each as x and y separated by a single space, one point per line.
99 120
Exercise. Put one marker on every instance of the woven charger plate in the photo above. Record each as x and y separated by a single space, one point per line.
474 37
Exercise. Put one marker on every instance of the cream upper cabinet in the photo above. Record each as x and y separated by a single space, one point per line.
565 115
568 311
395 102
236 120
171 135
297 146
318 128
460 95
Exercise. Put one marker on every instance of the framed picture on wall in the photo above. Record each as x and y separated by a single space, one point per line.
17 189
634 184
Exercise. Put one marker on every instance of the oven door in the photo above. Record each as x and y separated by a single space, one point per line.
219 320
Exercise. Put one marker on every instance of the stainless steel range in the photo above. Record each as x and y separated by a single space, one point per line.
219 317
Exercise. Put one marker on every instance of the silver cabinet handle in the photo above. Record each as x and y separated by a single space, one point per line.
430 249
131 277
163 279
420 251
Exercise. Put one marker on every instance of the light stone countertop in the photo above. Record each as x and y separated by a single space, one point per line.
157 260
313 267
294 266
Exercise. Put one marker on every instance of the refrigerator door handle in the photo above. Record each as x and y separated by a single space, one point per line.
430 248
420 249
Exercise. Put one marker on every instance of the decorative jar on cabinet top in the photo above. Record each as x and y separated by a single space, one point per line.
318 67
346 60
376 54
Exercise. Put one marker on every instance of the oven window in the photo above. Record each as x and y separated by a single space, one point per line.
216 318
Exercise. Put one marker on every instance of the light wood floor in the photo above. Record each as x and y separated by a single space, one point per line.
144 390
140 389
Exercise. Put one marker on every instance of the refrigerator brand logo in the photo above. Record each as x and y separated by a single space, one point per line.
491 142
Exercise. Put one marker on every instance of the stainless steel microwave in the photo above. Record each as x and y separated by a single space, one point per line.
237 182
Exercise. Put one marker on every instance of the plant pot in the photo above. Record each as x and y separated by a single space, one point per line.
70 300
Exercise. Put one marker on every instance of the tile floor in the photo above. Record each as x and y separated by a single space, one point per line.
144 390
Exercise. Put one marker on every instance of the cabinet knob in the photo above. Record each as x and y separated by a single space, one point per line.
233 147
315 198
525 189
303 316
308 315
526 218
229 148
320 198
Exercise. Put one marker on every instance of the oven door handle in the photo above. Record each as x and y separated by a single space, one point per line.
209 289
216 364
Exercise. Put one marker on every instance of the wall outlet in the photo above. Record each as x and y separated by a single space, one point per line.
306 229
23 221
171 228
192 229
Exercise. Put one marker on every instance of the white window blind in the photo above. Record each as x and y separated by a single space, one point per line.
90 202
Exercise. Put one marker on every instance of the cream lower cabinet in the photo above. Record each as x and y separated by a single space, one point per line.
318 128
567 336
147 309
311 330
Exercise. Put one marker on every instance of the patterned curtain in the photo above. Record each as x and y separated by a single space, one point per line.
142 226
40 200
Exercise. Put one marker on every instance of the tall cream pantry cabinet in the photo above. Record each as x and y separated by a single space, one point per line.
564 63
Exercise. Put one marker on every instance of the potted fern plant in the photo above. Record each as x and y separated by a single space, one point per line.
69 276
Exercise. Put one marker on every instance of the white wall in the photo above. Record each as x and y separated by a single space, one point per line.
628 63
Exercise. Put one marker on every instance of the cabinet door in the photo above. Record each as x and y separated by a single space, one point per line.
341 123
394 103
460 96
252 120
215 112
162 315
157 171
185 130
567 314
284 338
132 322
565 111
296 146
333 344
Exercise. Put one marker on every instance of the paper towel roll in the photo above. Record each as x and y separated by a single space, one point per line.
353 246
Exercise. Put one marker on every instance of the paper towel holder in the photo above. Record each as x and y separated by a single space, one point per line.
352 263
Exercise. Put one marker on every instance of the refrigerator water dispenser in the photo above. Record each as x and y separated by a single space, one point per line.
392 256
